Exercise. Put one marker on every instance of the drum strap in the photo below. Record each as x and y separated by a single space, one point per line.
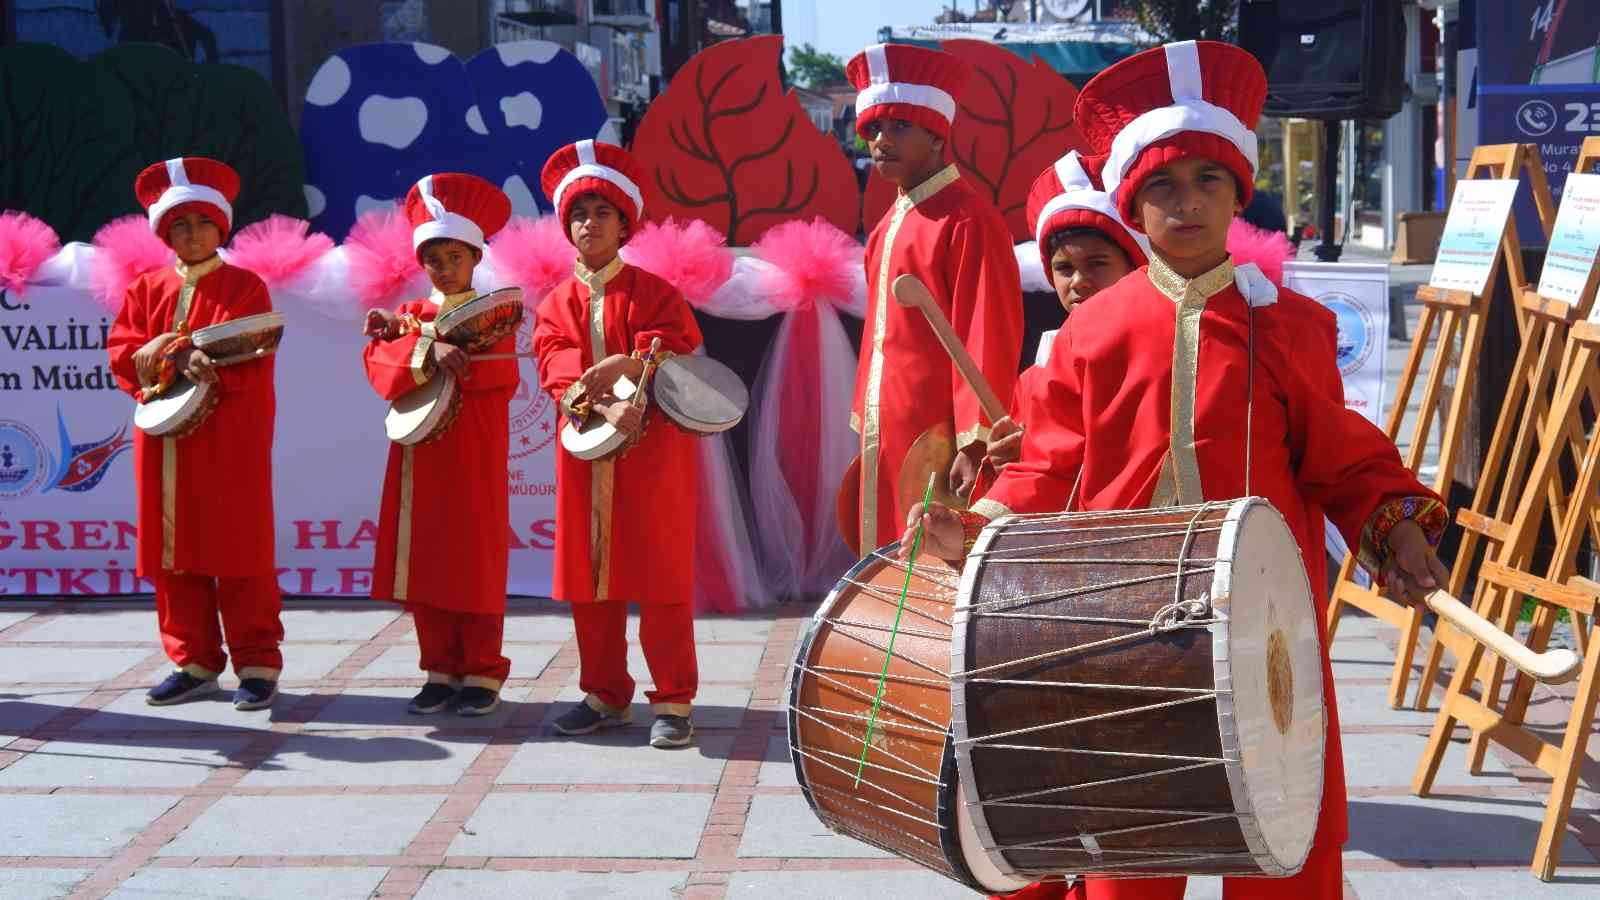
1249 391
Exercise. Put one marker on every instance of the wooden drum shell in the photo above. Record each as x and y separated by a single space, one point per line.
1111 759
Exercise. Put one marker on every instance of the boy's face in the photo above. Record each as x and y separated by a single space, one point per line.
1186 207
903 152
194 237
1085 264
449 264
596 227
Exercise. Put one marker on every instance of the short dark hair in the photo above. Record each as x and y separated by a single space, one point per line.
476 252
1061 235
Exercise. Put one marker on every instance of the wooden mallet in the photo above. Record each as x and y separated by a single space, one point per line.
910 291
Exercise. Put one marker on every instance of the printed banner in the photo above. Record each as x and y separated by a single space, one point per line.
66 466
1574 242
1472 234
1358 295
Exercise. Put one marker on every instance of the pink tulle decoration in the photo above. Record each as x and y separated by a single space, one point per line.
532 254
125 248
278 249
1267 249
382 260
814 261
25 243
692 256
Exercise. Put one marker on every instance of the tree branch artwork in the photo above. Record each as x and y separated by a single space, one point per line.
724 146
1013 121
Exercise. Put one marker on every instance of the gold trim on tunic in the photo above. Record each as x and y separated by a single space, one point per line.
602 475
169 503
867 424
1179 483
402 541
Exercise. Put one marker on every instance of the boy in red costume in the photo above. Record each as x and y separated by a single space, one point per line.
205 499
443 536
1149 384
1085 247
908 393
624 524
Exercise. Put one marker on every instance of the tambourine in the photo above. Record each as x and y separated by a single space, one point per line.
184 405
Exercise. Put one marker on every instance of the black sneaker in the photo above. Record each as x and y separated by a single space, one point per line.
477 701
585 719
180 687
671 731
255 693
433 697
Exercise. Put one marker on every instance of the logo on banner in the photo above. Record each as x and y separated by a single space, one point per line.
22 460
1357 335
83 465
1536 118
532 425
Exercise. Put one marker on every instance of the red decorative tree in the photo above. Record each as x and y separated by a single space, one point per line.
725 145
1014 120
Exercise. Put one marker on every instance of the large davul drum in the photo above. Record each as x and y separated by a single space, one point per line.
1129 693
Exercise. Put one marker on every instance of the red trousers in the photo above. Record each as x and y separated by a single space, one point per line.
188 608
666 634
1322 878
461 648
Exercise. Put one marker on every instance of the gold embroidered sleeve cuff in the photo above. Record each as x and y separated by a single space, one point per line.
422 362
855 423
977 434
1427 512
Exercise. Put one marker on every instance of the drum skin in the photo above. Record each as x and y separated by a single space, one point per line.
181 408
426 413
895 808
700 394
1040 569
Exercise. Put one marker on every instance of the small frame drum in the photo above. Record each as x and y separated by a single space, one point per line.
179 409
184 405
598 439
1139 693
700 394
242 339
483 321
908 801
424 414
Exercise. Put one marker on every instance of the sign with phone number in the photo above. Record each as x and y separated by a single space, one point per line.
1555 118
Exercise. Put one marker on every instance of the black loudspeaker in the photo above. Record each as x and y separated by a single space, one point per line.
1328 59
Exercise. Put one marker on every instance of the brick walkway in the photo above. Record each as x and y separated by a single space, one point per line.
338 793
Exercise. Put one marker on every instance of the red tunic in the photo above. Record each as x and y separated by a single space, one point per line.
444 529
1107 406
956 242
217 481
625 525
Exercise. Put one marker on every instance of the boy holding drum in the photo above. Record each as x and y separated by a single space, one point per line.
625 523
1154 387
205 499
443 536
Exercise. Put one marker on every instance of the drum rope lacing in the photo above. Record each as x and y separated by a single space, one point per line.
1178 614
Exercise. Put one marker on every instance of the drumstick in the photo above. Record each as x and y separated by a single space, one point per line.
910 291
1550 667
529 354
894 631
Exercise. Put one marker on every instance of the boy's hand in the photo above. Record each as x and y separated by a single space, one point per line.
381 324
942 535
147 359
1005 443
196 365
964 469
452 359
1413 571
623 416
603 375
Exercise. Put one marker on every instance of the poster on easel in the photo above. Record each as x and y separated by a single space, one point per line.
1358 296
1575 241
1479 210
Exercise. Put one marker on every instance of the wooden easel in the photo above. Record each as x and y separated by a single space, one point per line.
1558 588
1521 420
1446 314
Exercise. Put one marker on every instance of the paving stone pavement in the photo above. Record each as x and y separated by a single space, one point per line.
337 793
